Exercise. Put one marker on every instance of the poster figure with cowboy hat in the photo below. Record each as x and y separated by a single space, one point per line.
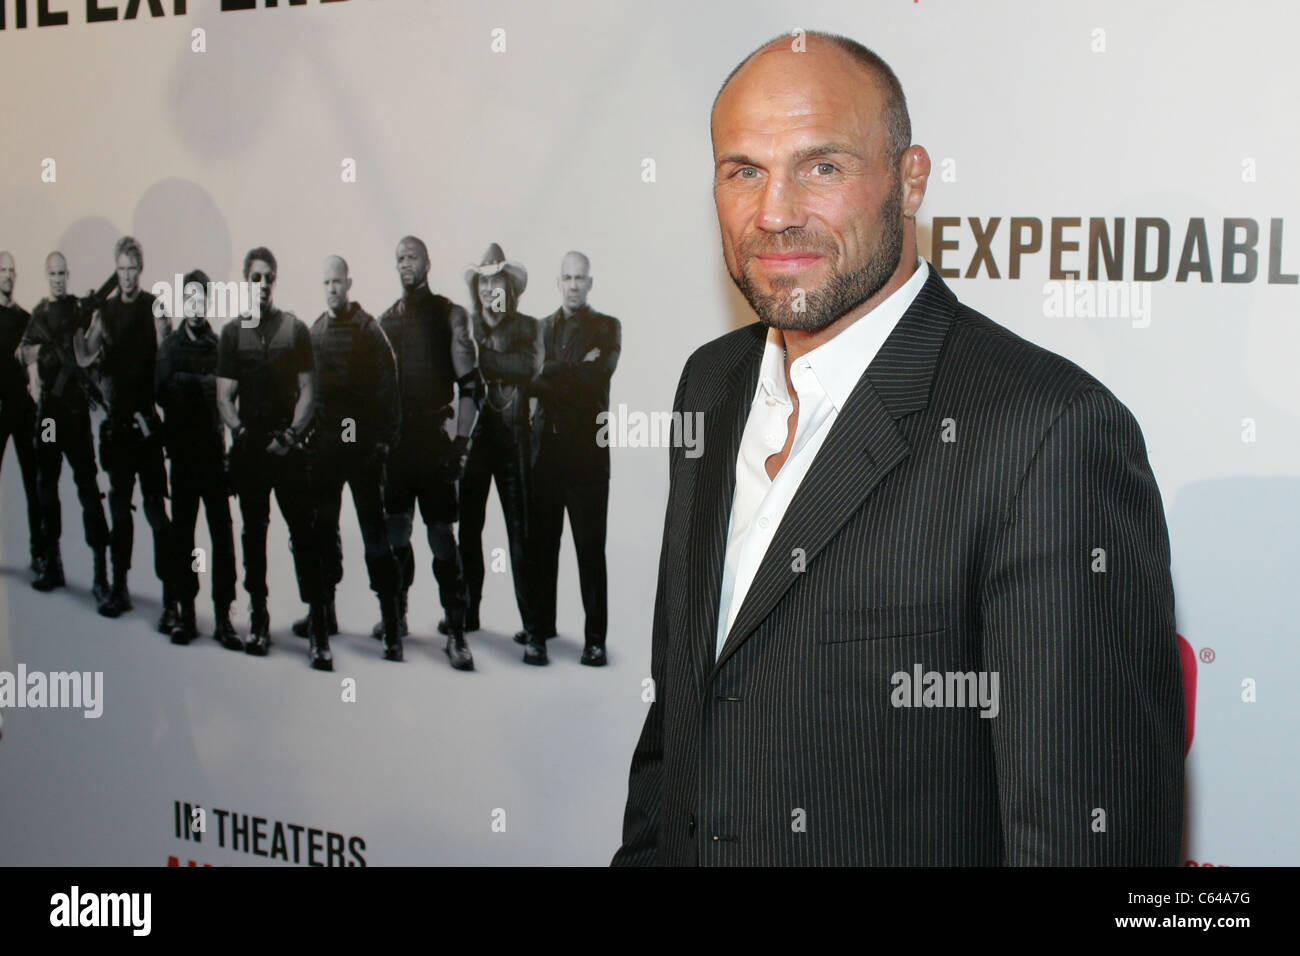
510 356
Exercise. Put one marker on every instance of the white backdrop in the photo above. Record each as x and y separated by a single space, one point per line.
1172 110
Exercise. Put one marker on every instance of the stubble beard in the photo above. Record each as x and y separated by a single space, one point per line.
840 293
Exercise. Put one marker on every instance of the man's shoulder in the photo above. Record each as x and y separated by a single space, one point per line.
138 310
369 327
458 318
990 358
728 347
989 371
546 330
426 306
605 320
301 330
292 318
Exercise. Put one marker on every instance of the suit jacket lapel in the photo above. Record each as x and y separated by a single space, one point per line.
863 446
567 334
726 409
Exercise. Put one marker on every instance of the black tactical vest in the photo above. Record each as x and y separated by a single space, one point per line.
345 382
418 326
268 383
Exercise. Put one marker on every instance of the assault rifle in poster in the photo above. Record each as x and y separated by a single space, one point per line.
73 364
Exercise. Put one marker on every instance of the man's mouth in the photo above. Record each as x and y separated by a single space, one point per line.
787 261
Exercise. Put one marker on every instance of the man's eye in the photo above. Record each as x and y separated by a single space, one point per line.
746 169
825 168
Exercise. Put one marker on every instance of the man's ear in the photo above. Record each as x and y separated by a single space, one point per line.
914 170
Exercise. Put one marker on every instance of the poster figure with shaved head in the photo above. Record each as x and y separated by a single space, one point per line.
571 471
17 410
358 422
124 335
185 379
438 379
266 395
914 601
64 393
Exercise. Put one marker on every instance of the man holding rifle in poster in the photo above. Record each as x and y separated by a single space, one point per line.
64 393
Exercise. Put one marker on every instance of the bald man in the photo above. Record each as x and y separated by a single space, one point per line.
17 410
358 421
63 394
880 636
438 378
571 472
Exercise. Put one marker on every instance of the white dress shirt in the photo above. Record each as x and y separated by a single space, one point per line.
823 379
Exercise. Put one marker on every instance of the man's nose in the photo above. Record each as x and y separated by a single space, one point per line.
778 205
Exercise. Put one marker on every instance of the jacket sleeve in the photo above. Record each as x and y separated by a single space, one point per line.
164 387
645 782
1077 621
464 350
545 381
388 400
560 378
37 332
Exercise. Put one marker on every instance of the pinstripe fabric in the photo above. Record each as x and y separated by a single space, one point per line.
969 555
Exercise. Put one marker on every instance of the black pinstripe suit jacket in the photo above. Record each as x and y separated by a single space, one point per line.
980 505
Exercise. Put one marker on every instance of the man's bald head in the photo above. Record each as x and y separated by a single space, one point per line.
7 275
56 270
337 284
894 116
575 261
815 182
412 262
575 280
413 242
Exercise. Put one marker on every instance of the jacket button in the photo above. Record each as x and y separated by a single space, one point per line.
690 825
